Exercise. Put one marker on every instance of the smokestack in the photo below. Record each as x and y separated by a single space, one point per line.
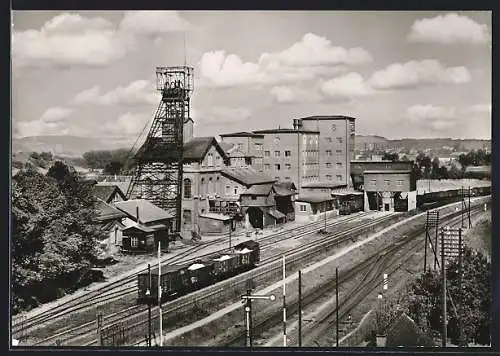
137 213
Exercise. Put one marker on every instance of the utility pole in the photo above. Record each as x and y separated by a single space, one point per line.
470 224
148 295
443 276
325 216
159 293
300 308
99 327
460 324
284 302
337 305
230 233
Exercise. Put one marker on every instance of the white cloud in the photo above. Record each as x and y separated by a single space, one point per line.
479 109
70 40
449 29
223 115
432 117
312 57
153 23
127 125
417 73
139 92
55 114
294 94
348 86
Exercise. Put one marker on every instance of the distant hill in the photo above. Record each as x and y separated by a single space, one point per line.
369 142
72 146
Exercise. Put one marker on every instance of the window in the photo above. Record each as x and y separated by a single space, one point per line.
387 182
134 242
288 153
228 189
254 197
276 178
276 153
277 140
400 182
240 147
328 165
287 178
373 182
334 127
210 159
267 167
258 147
288 166
277 166
202 188
267 153
340 139
328 139
210 186
303 207
186 217
339 176
235 190
339 164
187 188
329 177
328 152
338 151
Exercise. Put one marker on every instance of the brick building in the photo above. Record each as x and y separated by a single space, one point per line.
244 149
336 145
291 155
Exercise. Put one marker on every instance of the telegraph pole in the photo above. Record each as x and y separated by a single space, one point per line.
443 276
460 325
300 308
148 295
284 302
159 293
337 305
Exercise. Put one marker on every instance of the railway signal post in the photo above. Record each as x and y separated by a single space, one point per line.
247 299
432 221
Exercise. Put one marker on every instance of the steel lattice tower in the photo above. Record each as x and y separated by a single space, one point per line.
158 174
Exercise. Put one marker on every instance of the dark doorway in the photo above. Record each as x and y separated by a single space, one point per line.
372 200
255 217
386 207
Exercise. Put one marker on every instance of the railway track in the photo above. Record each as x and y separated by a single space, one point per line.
370 271
85 334
127 286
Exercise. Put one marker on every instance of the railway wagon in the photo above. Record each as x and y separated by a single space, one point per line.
349 203
435 199
177 280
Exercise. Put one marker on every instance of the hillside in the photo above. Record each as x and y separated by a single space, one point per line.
364 142
72 146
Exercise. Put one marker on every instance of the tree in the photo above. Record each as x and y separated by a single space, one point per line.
113 167
53 234
435 168
473 310
390 156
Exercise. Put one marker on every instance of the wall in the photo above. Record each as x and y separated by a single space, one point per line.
387 182
336 147
212 226
412 200
302 165
250 146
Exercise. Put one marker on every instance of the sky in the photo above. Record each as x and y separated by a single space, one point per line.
400 74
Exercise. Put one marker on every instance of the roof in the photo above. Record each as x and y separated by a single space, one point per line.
165 269
241 134
328 117
196 149
154 149
314 198
404 332
347 193
276 214
123 186
146 229
284 188
107 212
387 171
148 212
322 185
246 176
479 169
260 189
226 146
105 192
285 131
215 216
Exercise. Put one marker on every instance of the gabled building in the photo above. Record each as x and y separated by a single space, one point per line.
112 221
150 224
108 193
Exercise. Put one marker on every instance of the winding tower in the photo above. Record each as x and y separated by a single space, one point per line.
158 173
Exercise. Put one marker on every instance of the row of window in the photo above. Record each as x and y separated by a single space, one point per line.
330 139
330 177
278 153
210 160
329 152
329 165
387 182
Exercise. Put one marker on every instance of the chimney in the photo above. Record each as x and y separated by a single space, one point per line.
137 213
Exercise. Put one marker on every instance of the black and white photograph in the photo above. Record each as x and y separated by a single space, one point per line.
251 180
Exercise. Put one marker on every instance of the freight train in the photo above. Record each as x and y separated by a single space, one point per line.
434 199
177 280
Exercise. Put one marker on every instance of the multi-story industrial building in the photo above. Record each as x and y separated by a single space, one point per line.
246 150
291 155
336 145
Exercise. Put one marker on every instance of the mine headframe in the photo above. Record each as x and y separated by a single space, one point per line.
158 172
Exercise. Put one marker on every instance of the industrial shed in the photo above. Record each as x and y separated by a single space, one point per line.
389 190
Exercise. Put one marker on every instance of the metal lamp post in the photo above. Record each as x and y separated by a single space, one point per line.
247 299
